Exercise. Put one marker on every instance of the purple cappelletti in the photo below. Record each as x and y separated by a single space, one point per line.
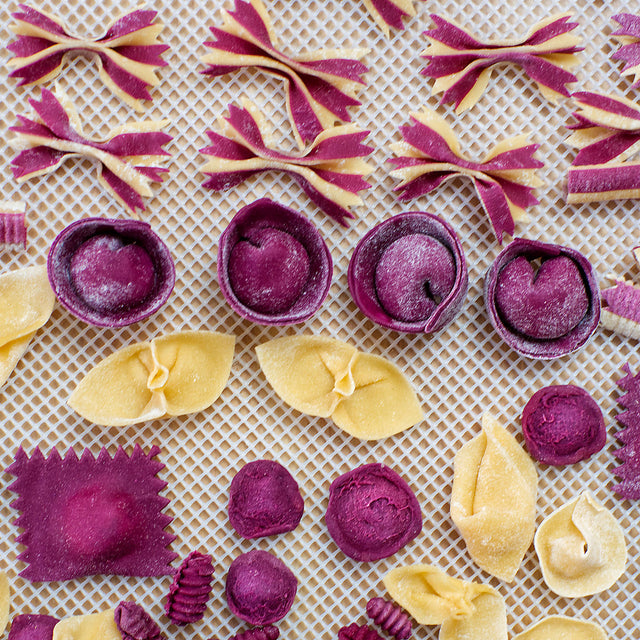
264 500
409 273
562 424
542 299
274 268
110 273
260 588
372 513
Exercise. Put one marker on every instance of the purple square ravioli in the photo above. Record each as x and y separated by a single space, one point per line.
82 516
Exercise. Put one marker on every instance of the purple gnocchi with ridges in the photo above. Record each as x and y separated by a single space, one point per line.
409 273
390 617
274 268
542 299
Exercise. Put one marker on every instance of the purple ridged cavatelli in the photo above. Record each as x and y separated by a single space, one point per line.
390 617
358 632
134 623
189 592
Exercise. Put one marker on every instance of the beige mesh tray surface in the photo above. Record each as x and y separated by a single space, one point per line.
459 373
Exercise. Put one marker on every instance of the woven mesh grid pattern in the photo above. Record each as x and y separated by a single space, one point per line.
459 373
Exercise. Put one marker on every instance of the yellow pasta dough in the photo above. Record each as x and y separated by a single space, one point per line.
581 548
466 610
493 499
173 375
27 304
94 626
364 394
5 600
562 628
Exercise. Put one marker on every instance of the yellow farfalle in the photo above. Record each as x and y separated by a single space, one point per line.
581 548
27 304
366 395
172 375
5 600
93 626
493 499
466 610
562 628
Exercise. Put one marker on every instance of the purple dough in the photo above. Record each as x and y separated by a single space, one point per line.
32 627
260 588
372 513
545 313
86 516
264 500
134 623
110 273
409 273
562 424
274 267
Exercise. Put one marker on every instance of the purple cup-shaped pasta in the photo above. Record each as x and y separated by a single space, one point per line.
542 299
264 500
562 424
274 268
372 513
110 273
409 273
260 588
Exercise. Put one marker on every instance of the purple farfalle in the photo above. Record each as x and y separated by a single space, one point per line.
562 424
264 500
372 513
409 273
190 590
319 89
110 273
86 516
260 588
127 55
462 64
606 132
629 36
134 623
629 454
330 171
125 160
430 155
542 299
13 226
273 266
29 626
390 13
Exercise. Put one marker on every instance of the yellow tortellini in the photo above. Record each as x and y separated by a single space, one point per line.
27 303
466 610
493 499
175 374
581 548
366 395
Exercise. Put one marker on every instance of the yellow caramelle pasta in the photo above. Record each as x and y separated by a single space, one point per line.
175 374
5 600
88 627
562 628
466 610
493 500
27 303
366 395
581 548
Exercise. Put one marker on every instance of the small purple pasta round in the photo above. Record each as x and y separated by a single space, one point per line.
264 500
260 588
390 617
358 632
189 593
409 273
